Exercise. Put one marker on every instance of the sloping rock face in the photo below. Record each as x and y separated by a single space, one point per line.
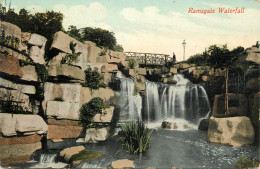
11 30
10 65
235 131
11 124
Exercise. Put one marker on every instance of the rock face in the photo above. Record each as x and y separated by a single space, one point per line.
61 131
10 124
94 135
29 73
27 89
204 124
37 54
11 30
10 65
235 131
67 153
37 40
71 73
125 163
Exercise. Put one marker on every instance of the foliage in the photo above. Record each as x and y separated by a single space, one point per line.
245 162
12 107
60 99
93 79
135 92
86 155
199 59
69 58
9 41
90 109
41 72
118 48
132 63
135 137
74 32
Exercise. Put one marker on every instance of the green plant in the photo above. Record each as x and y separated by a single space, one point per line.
58 99
245 162
41 72
135 137
135 92
90 109
132 63
93 79
86 155
69 58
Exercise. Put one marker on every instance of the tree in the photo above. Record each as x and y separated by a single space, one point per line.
74 32
221 57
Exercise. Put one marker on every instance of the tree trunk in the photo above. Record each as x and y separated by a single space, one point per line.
226 94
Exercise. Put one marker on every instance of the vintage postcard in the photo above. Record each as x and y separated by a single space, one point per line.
129 84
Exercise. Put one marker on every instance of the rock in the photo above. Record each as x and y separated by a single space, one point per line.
67 72
94 135
175 124
13 123
253 55
140 86
57 140
37 40
53 121
106 116
93 53
238 104
27 89
124 163
10 65
171 81
203 126
166 125
235 131
63 110
61 41
110 68
57 59
132 73
90 43
29 73
205 78
67 153
141 71
60 132
14 53
11 30
20 140
37 54
26 36
69 92
174 70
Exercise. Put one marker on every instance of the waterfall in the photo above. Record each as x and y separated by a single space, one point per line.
47 158
130 102
48 161
179 102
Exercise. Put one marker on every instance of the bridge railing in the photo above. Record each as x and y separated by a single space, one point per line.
148 58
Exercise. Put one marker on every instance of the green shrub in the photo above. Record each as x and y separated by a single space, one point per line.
86 155
69 58
132 63
245 162
12 107
90 109
93 79
135 137
59 99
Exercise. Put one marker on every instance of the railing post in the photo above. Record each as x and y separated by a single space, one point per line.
145 59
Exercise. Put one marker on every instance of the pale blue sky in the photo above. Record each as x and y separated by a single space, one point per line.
159 26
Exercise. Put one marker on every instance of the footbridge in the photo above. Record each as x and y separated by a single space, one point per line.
148 59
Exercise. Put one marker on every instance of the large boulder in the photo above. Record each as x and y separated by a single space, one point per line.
94 135
67 73
11 124
11 30
27 89
37 40
29 73
10 65
63 110
37 54
235 131
69 92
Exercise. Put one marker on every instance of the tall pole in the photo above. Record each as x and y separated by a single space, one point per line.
184 44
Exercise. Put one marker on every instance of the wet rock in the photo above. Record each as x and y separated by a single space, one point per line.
124 163
10 65
94 135
203 126
67 153
235 131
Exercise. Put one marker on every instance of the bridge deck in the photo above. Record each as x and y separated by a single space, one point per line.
148 59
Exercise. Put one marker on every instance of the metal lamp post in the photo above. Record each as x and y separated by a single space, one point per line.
184 44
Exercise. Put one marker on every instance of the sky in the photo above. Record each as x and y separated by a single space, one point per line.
159 26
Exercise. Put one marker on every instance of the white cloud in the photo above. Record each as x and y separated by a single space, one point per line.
93 15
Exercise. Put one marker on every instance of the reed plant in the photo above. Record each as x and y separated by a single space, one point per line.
135 137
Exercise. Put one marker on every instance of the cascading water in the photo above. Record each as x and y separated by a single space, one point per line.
180 101
48 161
130 102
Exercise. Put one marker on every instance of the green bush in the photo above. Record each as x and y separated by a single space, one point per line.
12 107
93 79
132 63
245 162
90 109
69 58
135 137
